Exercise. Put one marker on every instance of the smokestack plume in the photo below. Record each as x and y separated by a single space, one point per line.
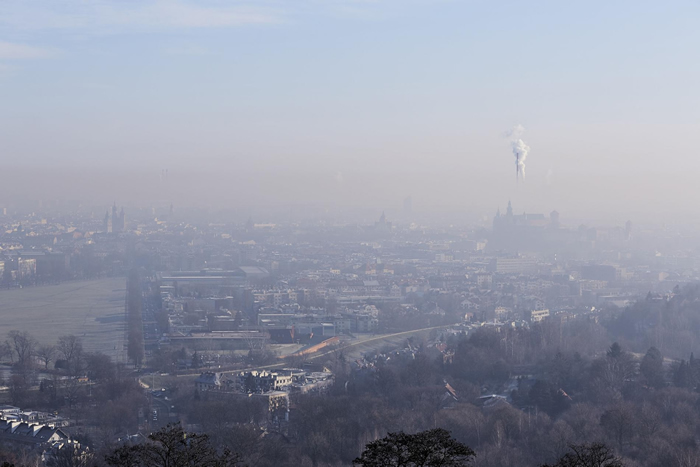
520 150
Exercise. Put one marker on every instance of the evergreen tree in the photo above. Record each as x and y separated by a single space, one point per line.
431 448
652 368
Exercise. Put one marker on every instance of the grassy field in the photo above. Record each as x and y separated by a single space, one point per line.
92 310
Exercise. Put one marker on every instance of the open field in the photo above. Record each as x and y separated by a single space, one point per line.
92 310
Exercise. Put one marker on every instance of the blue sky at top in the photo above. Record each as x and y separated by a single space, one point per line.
340 85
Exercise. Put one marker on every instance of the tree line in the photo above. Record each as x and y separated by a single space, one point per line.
172 446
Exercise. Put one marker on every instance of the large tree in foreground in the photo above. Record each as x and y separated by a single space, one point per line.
432 448
172 447
589 455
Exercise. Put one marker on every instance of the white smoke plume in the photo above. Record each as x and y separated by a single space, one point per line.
520 149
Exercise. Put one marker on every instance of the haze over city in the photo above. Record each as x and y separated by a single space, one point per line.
334 233
354 103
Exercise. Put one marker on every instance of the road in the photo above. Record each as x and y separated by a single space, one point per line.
161 409
368 342
385 337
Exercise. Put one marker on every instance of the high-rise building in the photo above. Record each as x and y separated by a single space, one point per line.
114 214
122 220
116 222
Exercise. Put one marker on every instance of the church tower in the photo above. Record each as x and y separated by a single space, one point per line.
114 213
107 223
122 220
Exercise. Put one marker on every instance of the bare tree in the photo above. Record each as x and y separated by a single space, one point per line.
620 422
72 390
173 447
71 348
23 346
589 455
6 351
687 456
70 456
18 388
47 354
99 366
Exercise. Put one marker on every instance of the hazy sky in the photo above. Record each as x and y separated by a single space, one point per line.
362 101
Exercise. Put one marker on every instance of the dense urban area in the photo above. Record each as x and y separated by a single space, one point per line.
349 233
517 341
